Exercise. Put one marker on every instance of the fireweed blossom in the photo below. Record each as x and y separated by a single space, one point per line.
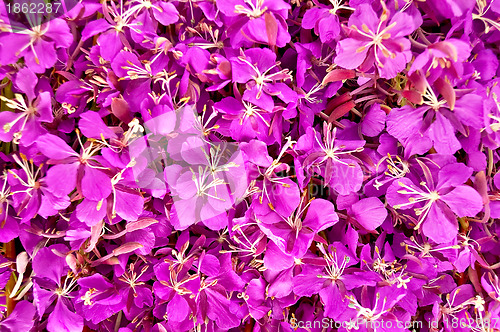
295 233
433 123
324 20
189 166
30 114
73 169
331 157
377 41
332 280
48 287
205 178
261 21
436 203
38 45
260 71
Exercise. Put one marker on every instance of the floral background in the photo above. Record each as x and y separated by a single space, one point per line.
250 165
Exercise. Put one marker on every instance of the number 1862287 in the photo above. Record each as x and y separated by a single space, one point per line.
33 8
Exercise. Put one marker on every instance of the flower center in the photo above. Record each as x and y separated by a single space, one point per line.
254 11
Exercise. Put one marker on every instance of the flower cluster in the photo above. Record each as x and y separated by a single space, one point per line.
244 165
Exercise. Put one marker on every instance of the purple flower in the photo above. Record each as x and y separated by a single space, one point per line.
435 123
378 41
48 286
246 120
324 20
21 319
259 70
74 170
375 307
38 44
98 299
443 59
293 233
30 194
24 127
261 21
331 157
436 203
331 280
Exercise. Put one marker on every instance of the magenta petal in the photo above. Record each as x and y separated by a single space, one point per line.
42 298
307 283
92 126
168 14
346 178
439 227
95 184
26 81
59 32
44 107
405 121
177 309
350 54
285 196
9 229
6 117
282 285
227 6
369 212
391 67
311 16
110 44
46 264
464 201
276 259
256 152
321 215
453 175
162 124
144 237
374 121
54 147
64 320
91 212
21 319
329 28
469 110
364 14
218 310
128 206
443 135
61 179
45 56
186 213
94 27
194 151
333 300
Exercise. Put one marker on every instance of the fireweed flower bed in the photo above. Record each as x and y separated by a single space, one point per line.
251 165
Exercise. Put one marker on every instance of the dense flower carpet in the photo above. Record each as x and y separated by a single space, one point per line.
250 165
